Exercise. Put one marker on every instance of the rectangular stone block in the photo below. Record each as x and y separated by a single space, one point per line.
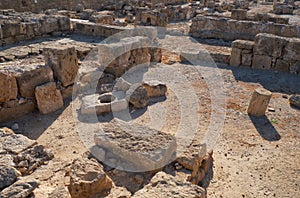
239 14
140 147
282 65
268 44
33 77
8 86
261 62
291 51
49 99
64 63
247 59
235 58
243 44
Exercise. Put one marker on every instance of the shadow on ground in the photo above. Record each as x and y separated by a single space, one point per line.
285 83
34 124
265 128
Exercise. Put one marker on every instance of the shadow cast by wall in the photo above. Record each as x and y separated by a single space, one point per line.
265 128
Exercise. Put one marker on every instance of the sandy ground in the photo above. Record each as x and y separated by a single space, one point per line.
254 157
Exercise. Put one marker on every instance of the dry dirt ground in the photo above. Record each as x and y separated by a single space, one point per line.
253 157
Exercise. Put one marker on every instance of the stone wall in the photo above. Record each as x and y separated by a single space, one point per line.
24 88
229 29
15 27
94 29
40 5
267 52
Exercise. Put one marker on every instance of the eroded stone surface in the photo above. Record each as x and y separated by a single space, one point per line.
49 99
155 88
87 179
8 86
64 63
145 148
22 188
28 80
137 95
165 185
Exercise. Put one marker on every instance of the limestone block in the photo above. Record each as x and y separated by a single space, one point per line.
291 51
259 102
22 188
261 62
268 44
239 14
64 63
155 88
87 179
246 59
49 99
235 58
282 65
33 77
140 147
243 44
8 86
168 186
137 95
102 19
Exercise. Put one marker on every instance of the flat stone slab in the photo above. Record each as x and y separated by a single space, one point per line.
144 148
14 143
22 188
98 104
165 185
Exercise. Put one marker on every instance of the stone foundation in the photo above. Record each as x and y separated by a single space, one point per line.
267 52
229 29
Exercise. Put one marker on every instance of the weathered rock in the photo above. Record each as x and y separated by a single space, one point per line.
64 63
151 18
282 65
137 95
155 88
87 179
295 100
117 58
243 44
119 192
49 99
165 185
246 59
102 19
60 192
123 84
145 148
259 102
28 80
239 14
8 176
14 143
22 188
104 103
292 50
8 86
235 58
261 62
270 45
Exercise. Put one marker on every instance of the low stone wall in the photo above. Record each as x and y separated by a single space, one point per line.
94 29
15 27
40 5
23 88
267 52
229 29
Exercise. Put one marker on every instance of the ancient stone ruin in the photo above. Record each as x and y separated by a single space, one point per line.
135 98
